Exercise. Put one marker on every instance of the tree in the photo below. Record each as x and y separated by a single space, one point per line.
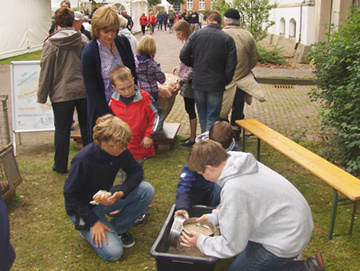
176 2
255 16
337 70
153 2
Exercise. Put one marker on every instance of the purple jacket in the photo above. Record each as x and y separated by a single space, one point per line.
149 73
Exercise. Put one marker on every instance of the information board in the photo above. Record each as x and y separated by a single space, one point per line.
27 114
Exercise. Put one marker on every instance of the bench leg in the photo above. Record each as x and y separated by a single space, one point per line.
353 217
244 138
258 149
333 214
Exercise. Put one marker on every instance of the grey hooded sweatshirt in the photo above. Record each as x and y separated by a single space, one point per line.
259 205
60 76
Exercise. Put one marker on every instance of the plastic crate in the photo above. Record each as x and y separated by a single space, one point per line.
166 261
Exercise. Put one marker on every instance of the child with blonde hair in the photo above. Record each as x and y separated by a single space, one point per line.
147 69
94 168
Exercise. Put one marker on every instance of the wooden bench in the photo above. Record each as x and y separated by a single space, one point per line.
341 181
164 142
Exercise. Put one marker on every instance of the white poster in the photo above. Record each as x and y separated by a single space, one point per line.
27 114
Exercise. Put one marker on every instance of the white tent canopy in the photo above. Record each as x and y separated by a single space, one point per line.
165 4
24 26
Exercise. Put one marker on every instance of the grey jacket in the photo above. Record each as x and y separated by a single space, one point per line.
259 205
60 75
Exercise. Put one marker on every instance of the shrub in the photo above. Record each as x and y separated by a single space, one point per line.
271 56
337 70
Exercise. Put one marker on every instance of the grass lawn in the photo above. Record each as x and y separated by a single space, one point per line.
45 239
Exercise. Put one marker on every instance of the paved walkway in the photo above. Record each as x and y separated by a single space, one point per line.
288 108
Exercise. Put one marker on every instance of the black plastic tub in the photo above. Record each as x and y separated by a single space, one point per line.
166 261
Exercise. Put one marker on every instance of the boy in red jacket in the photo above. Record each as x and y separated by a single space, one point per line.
141 112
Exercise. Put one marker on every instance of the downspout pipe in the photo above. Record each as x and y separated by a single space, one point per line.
300 28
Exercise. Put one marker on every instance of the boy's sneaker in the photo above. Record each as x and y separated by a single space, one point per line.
316 263
187 143
141 220
184 140
127 239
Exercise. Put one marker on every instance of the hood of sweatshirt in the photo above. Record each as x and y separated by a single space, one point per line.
67 38
238 163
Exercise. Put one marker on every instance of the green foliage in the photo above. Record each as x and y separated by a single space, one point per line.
338 87
25 57
153 2
176 2
255 16
271 56
222 8
45 239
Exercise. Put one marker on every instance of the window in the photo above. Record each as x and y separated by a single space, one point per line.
292 28
201 4
282 26
189 5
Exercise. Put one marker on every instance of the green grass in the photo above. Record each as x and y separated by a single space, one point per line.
25 57
45 239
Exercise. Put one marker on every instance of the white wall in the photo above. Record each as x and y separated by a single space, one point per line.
24 26
291 9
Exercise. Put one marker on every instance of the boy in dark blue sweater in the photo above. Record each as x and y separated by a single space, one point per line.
94 168
192 187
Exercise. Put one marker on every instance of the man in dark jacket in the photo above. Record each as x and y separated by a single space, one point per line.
212 54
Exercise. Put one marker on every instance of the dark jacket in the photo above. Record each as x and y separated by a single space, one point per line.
7 254
93 169
192 187
91 69
212 54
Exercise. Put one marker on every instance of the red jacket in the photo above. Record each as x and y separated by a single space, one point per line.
152 19
143 20
145 118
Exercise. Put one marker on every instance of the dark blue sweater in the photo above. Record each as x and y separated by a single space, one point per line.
93 169
7 254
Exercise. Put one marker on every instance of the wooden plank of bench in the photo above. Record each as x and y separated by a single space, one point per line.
336 177
168 136
339 179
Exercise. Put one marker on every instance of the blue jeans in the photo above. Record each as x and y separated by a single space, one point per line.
215 195
256 258
208 106
63 115
131 207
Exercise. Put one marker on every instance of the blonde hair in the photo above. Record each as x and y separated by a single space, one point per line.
104 18
222 132
110 130
120 73
206 153
147 46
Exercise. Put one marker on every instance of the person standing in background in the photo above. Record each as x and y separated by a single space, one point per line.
159 19
243 85
130 22
143 22
152 22
165 19
184 84
61 80
212 54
